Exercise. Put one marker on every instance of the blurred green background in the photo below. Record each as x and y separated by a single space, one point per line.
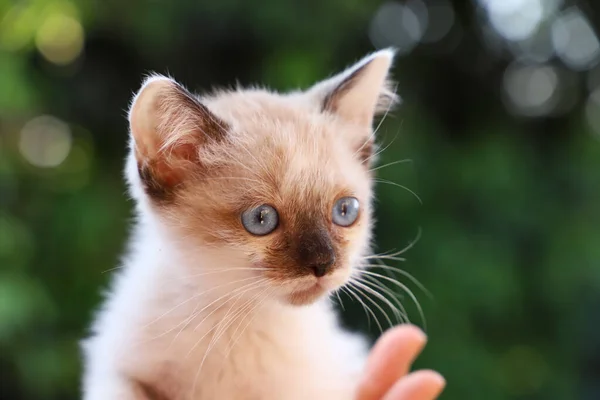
500 119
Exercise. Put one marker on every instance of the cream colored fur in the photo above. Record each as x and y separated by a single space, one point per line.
164 322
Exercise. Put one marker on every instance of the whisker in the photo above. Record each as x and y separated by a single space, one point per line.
402 315
220 331
243 289
194 297
399 252
194 315
224 324
380 180
370 139
213 311
383 257
368 308
359 285
403 273
390 164
379 151
236 313
337 293
186 322
217 271
365 307
112 269
406 289
252 312
389 107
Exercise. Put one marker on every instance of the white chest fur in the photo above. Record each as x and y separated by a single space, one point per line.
145 335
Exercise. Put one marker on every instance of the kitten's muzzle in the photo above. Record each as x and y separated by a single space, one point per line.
323 268
315 251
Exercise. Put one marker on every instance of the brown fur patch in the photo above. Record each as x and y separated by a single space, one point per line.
148 391
159 382
156 189
365 151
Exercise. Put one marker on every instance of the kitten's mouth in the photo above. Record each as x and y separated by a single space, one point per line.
307 295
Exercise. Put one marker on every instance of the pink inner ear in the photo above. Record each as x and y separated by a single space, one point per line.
172 163
169 125
361 92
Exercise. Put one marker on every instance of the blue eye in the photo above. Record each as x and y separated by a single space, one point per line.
345 211
261 220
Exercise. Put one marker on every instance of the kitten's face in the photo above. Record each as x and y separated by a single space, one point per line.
278 185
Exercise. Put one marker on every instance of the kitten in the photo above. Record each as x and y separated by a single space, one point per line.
252 208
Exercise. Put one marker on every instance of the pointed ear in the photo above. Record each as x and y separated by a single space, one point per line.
362 91
168 126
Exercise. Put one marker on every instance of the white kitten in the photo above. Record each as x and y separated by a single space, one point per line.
252 208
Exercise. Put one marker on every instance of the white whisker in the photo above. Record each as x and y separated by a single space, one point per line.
362 288
194 297
252 312
367 308
406 289
397 253
390 164
219 331
381 150
337 293
370 139
403 273
401 313
400 186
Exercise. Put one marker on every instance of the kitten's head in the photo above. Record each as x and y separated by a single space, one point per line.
274 185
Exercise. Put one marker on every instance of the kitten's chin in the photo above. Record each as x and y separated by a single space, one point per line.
308 295
314 291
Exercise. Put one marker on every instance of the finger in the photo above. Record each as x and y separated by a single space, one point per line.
390 359
420 385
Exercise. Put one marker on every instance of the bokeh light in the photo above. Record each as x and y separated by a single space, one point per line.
537 48
45 141
575 41
60 38
441 19
17 27
399 25
515 19
531 90
52 26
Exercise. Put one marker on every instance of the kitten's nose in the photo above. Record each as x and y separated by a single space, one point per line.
322 268
315 252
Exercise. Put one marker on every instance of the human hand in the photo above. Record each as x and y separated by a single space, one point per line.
387 374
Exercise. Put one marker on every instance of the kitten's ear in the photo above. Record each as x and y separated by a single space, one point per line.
361 92
168 125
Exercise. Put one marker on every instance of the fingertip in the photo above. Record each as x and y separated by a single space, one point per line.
407 331
432 382
421 385
391 359
434 377
414 329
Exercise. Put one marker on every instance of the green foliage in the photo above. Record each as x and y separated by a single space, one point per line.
509 220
